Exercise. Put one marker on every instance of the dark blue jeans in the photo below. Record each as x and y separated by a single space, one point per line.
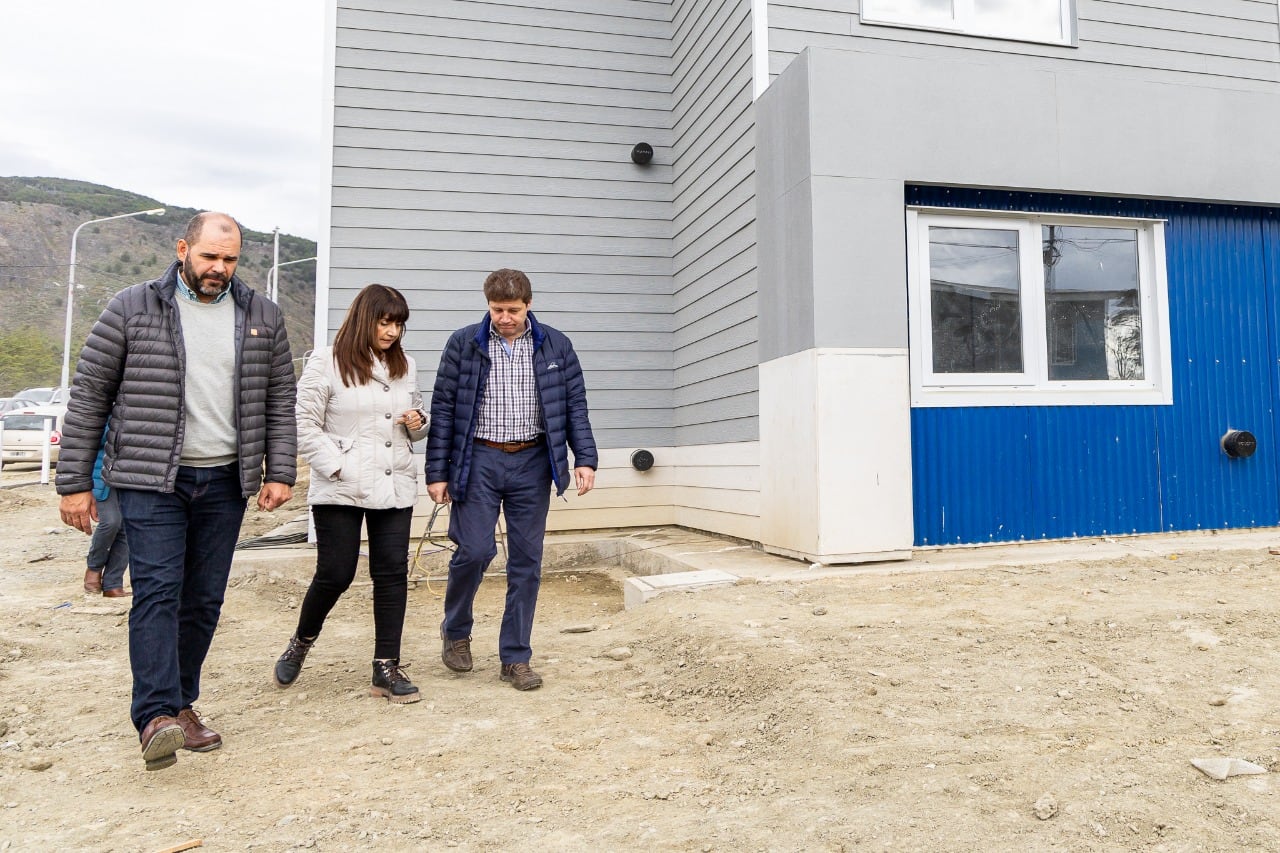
519 483
180 550
109 547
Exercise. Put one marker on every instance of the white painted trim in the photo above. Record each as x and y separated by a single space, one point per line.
759 47
962 23
1032 387
320 329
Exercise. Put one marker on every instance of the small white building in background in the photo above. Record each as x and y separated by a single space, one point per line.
894 276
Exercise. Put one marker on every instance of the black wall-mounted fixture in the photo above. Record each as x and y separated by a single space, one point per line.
1239 443
642 460
642 154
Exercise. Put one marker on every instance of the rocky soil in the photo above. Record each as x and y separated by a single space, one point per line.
1012 708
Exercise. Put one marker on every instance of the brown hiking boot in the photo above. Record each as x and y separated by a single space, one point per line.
521 676
196 736
161 739
456 654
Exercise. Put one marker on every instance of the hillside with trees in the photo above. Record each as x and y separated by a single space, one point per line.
37 219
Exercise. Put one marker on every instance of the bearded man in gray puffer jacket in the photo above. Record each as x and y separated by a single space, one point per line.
195 373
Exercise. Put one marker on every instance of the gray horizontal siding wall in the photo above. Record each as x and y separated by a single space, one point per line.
715 342
1236 40
470 136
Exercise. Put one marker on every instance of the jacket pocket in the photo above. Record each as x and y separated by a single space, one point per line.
347 482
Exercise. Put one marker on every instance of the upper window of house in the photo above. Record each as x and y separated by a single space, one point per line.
1050 21
1034 309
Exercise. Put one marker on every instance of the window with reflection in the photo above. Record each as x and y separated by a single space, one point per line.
1024 20
1091 302
1010 309
975 300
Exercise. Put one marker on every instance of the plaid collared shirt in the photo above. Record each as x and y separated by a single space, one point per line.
509 410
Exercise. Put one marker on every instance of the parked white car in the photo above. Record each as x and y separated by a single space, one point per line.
45 396
24 433
8 404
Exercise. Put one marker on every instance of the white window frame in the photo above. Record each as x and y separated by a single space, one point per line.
964 23
1032 386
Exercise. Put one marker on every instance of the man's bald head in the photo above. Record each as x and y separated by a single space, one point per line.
216 222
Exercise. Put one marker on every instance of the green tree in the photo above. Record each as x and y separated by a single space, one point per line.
28 357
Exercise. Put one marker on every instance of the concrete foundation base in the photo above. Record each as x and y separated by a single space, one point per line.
637 591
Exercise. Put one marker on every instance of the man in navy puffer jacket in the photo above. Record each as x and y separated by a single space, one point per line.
508 398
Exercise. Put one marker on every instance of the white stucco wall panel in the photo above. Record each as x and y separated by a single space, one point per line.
835 469
789 494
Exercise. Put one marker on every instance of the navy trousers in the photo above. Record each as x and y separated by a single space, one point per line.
180 549
520 484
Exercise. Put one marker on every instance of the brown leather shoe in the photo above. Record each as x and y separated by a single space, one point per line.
456 654
521 676
161 740
118 592
93 581
196 736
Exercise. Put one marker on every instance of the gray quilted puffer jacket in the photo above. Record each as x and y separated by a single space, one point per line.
131 370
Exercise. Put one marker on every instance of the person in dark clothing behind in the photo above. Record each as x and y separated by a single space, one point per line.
108 555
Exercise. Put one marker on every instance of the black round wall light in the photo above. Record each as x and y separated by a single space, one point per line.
642 460
642 154
1239 443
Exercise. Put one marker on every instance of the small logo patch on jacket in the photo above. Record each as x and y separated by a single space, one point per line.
253 332
553 366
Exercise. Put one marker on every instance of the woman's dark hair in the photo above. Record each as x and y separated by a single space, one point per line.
355 347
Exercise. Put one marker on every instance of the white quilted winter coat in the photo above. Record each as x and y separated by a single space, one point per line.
359 455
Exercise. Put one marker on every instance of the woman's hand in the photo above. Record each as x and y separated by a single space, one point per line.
412 419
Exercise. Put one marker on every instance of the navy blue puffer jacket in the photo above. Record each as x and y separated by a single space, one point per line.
460 382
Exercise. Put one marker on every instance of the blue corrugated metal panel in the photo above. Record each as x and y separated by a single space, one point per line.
1219 306
1013 473
975 478
1080 454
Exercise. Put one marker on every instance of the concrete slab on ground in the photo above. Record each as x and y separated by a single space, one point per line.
637 591
650 552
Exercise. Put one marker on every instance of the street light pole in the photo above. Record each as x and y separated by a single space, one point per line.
273 277
71 285
275 264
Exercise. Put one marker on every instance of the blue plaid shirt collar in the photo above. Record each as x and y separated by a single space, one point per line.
191 296
494 333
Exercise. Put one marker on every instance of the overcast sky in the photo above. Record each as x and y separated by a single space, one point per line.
204 105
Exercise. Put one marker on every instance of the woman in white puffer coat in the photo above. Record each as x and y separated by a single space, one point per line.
359 412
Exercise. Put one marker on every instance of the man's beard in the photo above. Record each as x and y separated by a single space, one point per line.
211 285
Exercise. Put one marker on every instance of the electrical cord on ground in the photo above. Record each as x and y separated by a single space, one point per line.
416 571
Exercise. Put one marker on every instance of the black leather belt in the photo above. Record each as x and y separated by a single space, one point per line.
510 446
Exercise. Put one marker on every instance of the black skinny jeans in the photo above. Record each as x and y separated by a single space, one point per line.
337 552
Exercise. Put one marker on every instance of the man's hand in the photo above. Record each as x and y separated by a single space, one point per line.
438 492
79 511
273 495
585 479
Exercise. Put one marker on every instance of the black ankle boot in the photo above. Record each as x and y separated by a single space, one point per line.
389 681
290 663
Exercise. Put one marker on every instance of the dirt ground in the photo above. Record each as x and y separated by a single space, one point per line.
1013 708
